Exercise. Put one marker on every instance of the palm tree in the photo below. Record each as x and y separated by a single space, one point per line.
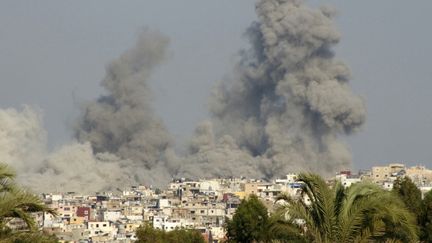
17 203
361 213
280 230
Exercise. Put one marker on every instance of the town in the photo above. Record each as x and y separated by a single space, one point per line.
201 204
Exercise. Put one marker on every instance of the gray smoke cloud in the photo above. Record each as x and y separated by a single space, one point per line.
282 110
22 138
289 99
123 122
119 140
72 167
212 158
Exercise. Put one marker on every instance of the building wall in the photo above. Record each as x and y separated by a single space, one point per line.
77 220
251 188
384 173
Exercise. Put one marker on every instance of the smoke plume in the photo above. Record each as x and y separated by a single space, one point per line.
72 167
120 141
123 122
210 157
289 99
22 138
282 110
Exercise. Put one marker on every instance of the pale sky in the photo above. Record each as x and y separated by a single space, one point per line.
53 54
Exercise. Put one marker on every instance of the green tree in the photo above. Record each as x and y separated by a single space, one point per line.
281 231
425 220
252 223
17 203
187 236
249 223
361 213
147 234
30 237
409 193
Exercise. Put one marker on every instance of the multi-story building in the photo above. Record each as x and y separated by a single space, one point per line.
199 204
389 172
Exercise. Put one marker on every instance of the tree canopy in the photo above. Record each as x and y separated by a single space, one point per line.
425 218
148 234
249 223
362 212
18 203
409 193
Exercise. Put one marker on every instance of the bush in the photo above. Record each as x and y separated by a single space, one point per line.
147 234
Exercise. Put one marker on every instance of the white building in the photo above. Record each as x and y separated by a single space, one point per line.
347 180
112 215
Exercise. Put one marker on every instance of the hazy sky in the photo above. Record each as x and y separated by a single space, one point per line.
53 55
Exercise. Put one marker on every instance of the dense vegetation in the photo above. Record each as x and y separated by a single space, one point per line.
17 203
148 234
252 223
360 213
422 209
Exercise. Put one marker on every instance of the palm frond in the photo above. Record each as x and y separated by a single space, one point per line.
361 213
7 175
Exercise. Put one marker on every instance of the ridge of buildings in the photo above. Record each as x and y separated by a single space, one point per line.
202 204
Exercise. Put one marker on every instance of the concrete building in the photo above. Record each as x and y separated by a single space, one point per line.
389 172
